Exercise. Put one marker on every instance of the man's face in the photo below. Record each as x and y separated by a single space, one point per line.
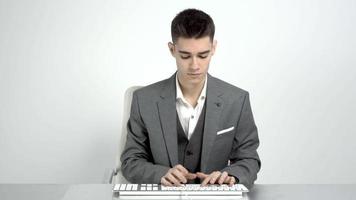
192 58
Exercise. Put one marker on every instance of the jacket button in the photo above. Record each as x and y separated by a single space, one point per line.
189 153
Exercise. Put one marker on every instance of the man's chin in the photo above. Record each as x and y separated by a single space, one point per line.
196 80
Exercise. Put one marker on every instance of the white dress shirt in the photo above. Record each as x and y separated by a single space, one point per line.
189 115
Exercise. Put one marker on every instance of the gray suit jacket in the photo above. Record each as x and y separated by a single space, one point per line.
230 136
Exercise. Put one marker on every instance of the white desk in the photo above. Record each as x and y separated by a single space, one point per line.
104 192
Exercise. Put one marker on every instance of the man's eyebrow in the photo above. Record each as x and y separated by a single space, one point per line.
204 52
186 52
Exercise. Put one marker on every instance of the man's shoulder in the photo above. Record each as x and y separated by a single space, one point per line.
153 89
228 88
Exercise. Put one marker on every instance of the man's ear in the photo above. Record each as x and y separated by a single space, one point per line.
214 47
171 48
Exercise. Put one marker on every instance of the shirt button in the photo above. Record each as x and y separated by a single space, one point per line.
192 116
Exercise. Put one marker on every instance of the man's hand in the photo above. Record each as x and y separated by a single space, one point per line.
216 177
177 175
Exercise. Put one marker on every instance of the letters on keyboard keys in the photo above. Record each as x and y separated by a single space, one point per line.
185 189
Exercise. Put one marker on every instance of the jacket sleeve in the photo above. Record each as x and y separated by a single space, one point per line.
136 158
244 159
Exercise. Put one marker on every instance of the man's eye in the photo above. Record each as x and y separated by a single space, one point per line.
185 57
203 57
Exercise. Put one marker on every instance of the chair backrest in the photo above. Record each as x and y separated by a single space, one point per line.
125 118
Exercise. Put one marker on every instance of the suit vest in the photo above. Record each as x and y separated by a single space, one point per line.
189 151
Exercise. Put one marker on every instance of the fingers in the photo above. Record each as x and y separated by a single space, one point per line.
205 181
216 177
177 175
223 177
165 182
211 178
232 181
201 175
186 173
191 176
182 169
181 178
183 173
172 179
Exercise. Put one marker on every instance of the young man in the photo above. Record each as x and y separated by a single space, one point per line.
191 127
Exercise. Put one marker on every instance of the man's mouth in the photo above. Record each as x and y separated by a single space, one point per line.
194 74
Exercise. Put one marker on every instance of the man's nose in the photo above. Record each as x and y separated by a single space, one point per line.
194 63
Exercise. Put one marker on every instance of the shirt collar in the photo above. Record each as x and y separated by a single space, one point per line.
179 93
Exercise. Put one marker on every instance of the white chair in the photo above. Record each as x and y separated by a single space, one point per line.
117 176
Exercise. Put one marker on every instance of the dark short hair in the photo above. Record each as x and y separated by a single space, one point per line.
192 23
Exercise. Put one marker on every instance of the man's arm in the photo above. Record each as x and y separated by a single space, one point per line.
244 160
136 159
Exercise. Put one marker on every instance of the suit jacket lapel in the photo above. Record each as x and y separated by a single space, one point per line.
214 106
167 114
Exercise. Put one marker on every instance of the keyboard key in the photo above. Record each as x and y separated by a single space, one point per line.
129 187
135 186
123 186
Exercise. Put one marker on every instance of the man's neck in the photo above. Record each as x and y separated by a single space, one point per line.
191 92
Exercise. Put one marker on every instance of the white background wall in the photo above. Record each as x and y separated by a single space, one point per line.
64 66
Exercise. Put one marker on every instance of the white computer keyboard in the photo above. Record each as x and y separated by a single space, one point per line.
184 190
